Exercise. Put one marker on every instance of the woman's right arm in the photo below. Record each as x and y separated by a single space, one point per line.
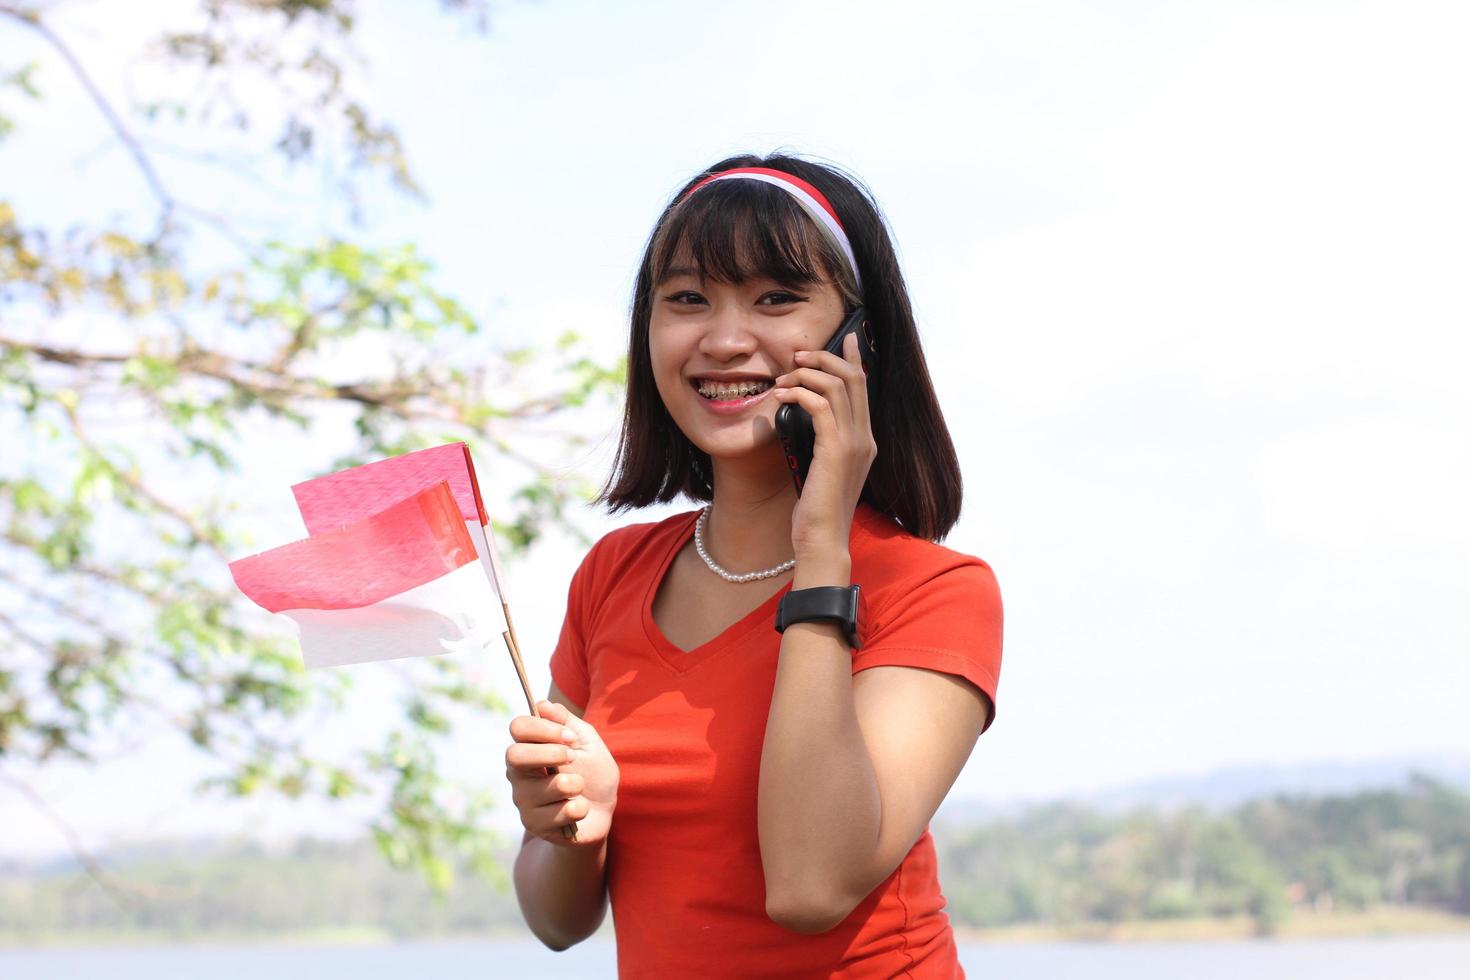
561 884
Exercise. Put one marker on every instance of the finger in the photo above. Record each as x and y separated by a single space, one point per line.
849 367
852 352
530 795
543 810
857 388
535 756
559 713
556 814
824 422
560 813
564 786
828 386
524 728
553 789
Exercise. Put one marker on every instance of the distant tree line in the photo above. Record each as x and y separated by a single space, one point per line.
1062 865
183 891
1066 864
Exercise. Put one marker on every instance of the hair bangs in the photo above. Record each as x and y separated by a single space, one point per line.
736 230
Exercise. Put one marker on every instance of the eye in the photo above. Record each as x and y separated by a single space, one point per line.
684 298
779 298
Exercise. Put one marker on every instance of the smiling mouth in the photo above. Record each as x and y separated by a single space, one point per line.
730 391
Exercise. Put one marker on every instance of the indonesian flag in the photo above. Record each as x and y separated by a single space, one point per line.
398 562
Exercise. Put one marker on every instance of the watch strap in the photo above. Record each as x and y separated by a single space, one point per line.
839 602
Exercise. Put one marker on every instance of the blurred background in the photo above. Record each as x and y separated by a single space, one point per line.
1191 281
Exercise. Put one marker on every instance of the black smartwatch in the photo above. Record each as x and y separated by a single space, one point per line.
839 602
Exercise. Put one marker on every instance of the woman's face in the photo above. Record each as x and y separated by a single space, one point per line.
731 340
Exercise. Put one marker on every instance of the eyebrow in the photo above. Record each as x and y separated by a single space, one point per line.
683 270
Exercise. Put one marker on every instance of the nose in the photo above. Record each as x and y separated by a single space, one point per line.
728 335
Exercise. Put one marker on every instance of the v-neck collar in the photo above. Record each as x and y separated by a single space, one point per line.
866 523
681 661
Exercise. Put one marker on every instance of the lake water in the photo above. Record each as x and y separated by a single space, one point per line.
1419 958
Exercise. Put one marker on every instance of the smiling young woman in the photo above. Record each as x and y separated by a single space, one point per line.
757 706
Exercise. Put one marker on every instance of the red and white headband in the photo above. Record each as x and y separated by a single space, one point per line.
812 201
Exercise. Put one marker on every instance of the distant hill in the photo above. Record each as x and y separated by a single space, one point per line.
1222 789
1218 790
1067 865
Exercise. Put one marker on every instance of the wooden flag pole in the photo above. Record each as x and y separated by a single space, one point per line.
569 831
514 646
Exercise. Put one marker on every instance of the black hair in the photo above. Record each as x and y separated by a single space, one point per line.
737 229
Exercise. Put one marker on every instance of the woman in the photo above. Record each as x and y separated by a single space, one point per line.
756 803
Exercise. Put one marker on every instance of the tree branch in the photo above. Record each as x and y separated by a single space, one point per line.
32 19
60 605
211 364
28 639
28 545
123 894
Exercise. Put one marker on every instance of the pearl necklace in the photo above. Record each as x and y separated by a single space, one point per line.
731 576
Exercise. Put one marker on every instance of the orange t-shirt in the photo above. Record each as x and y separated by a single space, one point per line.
686 728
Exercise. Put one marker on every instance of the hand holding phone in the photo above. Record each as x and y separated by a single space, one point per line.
794 423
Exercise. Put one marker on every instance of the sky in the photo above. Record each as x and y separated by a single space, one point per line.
1190 280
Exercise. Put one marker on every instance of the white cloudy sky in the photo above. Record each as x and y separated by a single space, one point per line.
1191 278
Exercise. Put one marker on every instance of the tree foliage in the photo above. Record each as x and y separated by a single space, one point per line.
142 354
1387 854
1065 865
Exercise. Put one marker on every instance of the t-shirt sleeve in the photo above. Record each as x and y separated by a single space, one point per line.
569 668
949 622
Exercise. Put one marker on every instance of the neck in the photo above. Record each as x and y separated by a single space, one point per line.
749 525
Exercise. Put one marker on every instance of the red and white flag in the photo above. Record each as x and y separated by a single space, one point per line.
398 562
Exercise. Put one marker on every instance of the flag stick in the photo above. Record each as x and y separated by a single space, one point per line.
569 831
512 643
515 655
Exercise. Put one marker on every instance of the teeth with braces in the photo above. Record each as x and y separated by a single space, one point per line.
739 390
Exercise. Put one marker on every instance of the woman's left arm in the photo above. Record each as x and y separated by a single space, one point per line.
853 766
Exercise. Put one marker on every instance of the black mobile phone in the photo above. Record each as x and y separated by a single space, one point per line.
794 423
